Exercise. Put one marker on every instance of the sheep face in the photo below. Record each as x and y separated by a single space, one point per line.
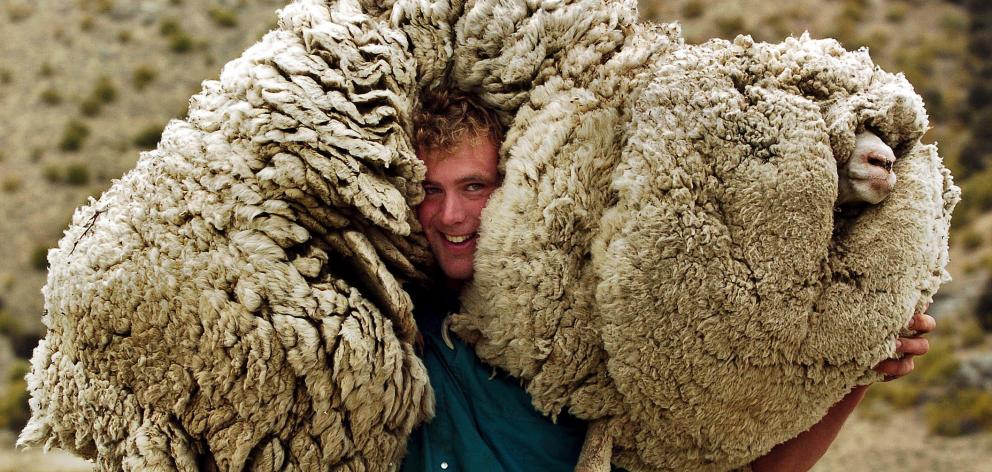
867 175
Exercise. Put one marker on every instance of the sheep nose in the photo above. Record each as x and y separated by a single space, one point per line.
874 152
867 176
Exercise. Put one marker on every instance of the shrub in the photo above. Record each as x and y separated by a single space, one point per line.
952 22
51 173
971 239
6 76
39 258
74 135
960 412
169 27
692 9
11 184
148 137
99 6
90 106
124 36
976 194
971 334
730 25
223 17
104 90
983 307
180 43
14 410
36 154
142 76
896 12
19 11
852 12
86 24
46 69
51 96
76 174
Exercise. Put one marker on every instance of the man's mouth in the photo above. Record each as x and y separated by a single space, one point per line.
459 239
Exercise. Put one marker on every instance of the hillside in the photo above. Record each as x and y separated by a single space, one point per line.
85 85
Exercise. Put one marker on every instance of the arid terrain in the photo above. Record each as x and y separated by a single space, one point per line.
86 85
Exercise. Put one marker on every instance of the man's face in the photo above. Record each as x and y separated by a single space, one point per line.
458 184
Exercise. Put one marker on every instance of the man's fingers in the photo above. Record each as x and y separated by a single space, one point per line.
895 368
914 346
922 323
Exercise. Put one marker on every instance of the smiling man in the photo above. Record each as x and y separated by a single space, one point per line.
484 420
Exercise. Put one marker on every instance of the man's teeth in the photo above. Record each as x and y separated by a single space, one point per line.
458 239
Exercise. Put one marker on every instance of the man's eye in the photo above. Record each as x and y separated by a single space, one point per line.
474 187
431 190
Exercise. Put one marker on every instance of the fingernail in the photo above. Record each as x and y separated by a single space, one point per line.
898 344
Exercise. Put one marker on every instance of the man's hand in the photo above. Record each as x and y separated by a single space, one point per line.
801 452
909 347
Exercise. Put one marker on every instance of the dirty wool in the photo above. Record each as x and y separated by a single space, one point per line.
666 259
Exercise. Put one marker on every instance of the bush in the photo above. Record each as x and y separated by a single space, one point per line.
90 106
11 184
169 27
180 43
730 25
51 97
14 410
148 137
983 307
953 23
19 11
960 412
46 69
971 239
51 173
6 76
86 24
124 36
896 12
223 17
142 76
39 258
76 174
74 135
971 334
104 90
692 9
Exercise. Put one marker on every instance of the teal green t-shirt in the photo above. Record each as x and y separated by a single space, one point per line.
483 422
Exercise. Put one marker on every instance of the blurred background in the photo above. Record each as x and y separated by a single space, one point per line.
86 85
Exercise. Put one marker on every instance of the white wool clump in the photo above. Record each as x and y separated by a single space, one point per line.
665 258
235 301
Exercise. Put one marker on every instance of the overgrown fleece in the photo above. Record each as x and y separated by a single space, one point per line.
664 258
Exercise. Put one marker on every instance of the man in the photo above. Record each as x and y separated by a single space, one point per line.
485 420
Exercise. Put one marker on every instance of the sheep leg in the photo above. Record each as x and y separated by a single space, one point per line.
597 448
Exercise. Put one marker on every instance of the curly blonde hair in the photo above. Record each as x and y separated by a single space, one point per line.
445 118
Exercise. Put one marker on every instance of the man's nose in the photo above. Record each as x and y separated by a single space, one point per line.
453 211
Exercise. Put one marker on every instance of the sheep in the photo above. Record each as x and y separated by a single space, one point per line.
671 256
236 301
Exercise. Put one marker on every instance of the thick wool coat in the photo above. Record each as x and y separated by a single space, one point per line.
665 257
